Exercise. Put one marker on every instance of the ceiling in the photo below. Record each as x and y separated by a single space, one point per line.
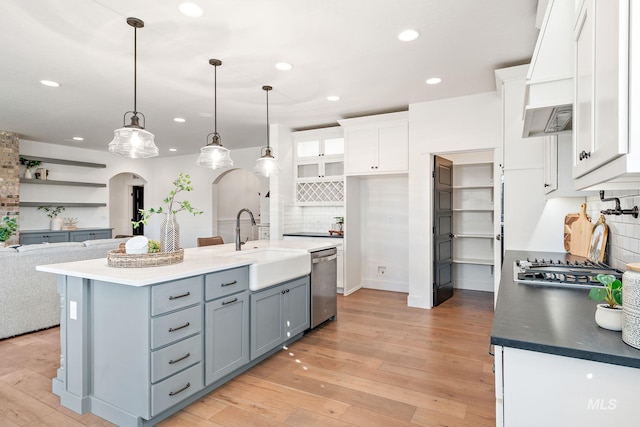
347 48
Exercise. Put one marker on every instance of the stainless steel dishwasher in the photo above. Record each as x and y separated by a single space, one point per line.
323 286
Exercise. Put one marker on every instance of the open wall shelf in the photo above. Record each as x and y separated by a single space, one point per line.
65 204
65 162
54 182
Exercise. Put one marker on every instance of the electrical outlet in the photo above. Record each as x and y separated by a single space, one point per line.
381 270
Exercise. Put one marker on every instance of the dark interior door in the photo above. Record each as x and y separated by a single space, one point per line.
442 230
138 203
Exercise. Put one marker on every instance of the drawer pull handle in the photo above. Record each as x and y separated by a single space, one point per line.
230 302
172 297
229 284
173 393
179 327
171 362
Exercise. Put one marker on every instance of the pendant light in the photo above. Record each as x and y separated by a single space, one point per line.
214 155
132 140
267 164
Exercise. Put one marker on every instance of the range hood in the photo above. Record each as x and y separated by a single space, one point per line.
549 87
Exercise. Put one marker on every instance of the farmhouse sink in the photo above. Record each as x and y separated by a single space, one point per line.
271 266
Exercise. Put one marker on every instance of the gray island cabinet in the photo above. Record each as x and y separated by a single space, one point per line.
137 345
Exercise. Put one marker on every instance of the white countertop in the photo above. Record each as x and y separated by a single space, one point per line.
197 261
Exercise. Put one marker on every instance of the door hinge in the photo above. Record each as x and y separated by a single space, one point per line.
433 230
433 174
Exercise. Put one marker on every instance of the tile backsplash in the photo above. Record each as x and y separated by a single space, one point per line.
623 245
310 218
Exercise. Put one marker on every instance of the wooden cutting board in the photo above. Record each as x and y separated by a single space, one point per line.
581 231
569 219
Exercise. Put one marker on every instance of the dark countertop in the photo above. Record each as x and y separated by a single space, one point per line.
313 234
551 320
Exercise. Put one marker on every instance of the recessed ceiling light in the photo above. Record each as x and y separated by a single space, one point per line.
173 149
78 138
190 9
408 35
179 120
284 66
333 98
433 80
50 83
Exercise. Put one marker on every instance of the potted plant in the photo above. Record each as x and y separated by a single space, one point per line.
8 227
169 230
609 315
29 164
52 213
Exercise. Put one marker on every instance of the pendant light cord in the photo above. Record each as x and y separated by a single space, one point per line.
267 89
215 99
135 70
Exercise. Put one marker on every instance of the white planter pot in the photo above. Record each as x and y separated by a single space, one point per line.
609 318
56 223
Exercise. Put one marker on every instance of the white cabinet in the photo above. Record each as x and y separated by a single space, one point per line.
558 181
473 228
572 392
601 85
376 144
319 167
550 164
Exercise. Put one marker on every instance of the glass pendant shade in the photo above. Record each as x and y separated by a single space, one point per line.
215 157
266 165
133 142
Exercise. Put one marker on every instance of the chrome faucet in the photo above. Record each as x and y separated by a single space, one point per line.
253 222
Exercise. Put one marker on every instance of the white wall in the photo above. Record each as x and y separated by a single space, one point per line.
159 173
457 124
384 230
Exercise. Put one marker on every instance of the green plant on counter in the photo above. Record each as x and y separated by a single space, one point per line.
611 292
339 219
28 163
8 227
51 211
182 183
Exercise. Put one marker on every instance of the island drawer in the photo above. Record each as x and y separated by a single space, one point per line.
175 389
175 326
175 294
226 282
176 357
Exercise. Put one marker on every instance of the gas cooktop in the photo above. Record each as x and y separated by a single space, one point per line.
561 273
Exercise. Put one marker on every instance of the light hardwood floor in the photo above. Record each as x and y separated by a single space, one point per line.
380 364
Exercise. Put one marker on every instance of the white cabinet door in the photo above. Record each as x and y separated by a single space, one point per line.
542 389
550 164
393 148
361 151
602 58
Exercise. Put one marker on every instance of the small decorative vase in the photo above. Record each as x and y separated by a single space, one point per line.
169 234
27 174
631 305
609 318
56 223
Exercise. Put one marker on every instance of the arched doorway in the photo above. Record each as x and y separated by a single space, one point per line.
233 191
121 202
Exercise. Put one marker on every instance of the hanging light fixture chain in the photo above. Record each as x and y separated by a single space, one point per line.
135 70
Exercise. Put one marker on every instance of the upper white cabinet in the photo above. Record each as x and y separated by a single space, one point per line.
376 144
319 166
601 119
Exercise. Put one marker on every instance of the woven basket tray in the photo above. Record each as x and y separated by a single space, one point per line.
120 259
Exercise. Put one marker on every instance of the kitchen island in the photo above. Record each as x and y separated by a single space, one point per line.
554 366
138 344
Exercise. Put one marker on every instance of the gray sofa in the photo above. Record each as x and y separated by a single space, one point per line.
28 298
